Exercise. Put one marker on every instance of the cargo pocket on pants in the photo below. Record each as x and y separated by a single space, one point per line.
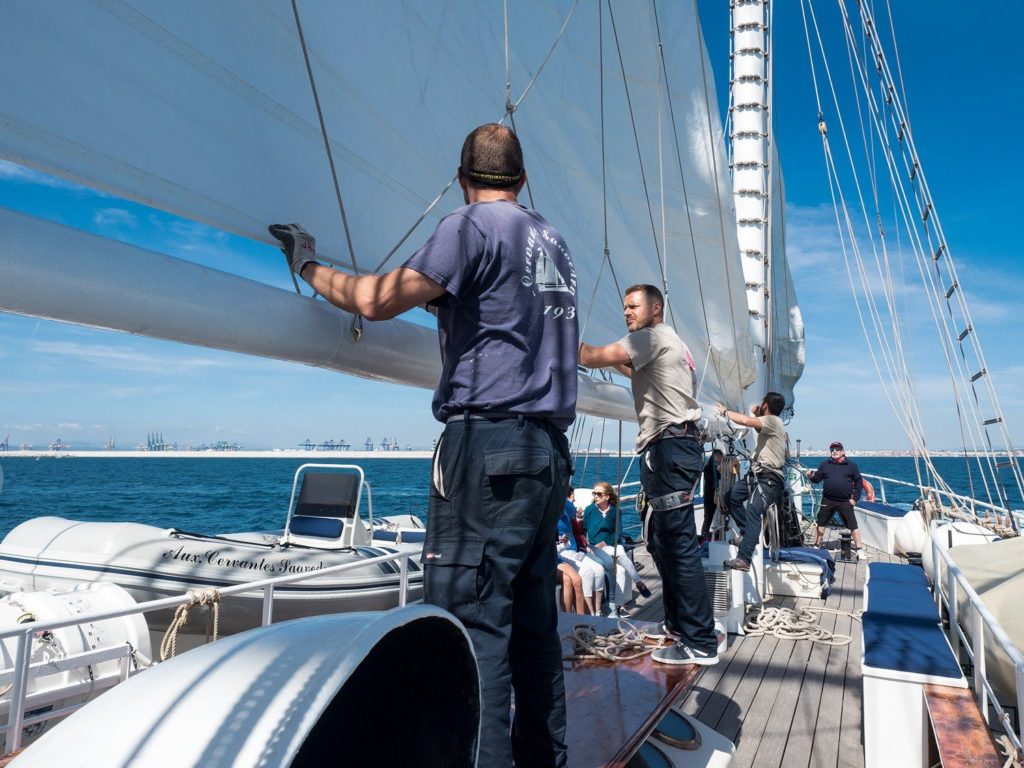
518 488
452 574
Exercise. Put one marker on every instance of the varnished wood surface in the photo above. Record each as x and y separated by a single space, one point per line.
784 703
613 706
960 732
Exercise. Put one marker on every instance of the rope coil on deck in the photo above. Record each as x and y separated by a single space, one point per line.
799 624
205 597
626 644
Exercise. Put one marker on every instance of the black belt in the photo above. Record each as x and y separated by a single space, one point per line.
686 429
493 416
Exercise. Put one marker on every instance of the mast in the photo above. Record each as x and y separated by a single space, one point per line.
750 112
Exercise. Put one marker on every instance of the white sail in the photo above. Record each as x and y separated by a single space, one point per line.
205 110
786 352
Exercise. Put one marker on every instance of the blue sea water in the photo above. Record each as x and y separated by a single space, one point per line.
219 495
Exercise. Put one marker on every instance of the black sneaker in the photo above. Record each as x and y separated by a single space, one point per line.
663 633
643 589
737 564
681 653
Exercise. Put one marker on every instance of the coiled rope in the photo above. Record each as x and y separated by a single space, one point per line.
205 597
629 642
799 624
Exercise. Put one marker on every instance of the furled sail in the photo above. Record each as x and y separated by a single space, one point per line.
206 110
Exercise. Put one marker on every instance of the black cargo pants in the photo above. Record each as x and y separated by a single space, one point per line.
498 487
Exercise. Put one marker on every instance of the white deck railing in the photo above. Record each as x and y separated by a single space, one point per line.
982 624
19 675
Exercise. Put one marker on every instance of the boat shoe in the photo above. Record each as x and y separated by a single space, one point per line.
737 564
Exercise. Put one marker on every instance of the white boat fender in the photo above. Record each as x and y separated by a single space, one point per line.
300 693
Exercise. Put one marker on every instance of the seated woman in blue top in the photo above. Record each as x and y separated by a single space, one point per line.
599 521
587 571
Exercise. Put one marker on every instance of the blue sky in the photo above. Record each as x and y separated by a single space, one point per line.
85 385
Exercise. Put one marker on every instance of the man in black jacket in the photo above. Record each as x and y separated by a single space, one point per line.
841 491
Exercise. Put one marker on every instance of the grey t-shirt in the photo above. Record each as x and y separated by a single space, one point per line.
664 380
770 451
507 320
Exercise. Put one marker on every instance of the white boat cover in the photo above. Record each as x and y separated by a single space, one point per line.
395 688
996 572
205 110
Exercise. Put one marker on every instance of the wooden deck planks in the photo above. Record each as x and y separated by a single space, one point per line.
783 702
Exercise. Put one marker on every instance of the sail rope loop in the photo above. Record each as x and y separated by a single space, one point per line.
195 598
796 624
626 643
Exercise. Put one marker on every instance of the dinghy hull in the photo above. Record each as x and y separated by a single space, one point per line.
153 563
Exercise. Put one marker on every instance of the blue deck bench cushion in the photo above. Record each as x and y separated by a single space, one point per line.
901 625
881 509
905 574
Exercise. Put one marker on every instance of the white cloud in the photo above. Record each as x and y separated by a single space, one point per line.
113 218
126 358
69 426
13 172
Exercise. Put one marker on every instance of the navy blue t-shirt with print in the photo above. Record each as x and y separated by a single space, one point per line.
507 320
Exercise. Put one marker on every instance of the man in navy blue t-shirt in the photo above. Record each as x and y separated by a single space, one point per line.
503 285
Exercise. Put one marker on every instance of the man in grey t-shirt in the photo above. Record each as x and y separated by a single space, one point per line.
762 485
664 387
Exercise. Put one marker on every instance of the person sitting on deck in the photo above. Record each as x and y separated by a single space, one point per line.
585 575
599 520
841 492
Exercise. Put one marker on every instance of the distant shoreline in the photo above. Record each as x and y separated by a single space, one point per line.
271 454
284 453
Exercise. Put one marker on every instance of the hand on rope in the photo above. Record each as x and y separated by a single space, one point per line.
628 643
298 246
211 597
800 624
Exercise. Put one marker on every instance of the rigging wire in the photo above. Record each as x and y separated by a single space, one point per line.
904 210
516 104
930 280
327 141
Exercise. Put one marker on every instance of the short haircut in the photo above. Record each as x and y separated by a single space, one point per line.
776 403
718 452
653 294
492 157
570 492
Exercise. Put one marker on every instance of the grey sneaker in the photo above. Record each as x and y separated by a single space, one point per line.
684 654
663 633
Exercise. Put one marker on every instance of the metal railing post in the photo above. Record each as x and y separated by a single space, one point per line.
881 490
978 643
268 605
403 581
16 718
954 610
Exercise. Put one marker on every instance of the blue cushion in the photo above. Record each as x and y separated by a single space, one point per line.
894 572
321 527
881 509
906 645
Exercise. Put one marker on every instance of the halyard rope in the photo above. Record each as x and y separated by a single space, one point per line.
207 597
